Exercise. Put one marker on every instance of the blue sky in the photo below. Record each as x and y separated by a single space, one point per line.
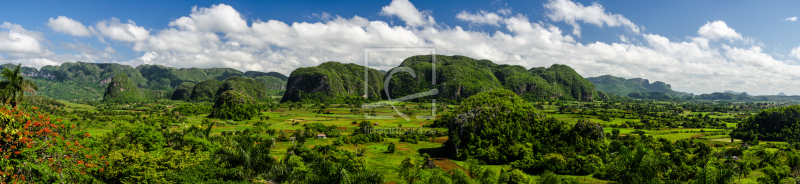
698 47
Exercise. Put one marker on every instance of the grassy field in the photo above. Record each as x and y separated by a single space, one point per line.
294 119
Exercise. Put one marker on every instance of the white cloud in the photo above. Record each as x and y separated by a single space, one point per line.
108 49
119 31
22 46
694 65
795 52
408 13
718 29
65 25
571 12
504 11
753 56
791 19
482 17
217 18
172 40
15 39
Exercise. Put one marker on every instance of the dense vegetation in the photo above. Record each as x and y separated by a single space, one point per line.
498 127
777 124
507 125
458 77
257 74
176 76
205 91
254 89
183 91
234 105
623 87
122 90
82 81
332 82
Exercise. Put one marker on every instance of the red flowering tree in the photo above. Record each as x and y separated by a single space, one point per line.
36 148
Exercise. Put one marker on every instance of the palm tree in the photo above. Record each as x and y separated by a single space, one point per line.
14 86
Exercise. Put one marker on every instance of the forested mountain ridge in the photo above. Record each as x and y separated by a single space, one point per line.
332 82
88 81
458 77
624 87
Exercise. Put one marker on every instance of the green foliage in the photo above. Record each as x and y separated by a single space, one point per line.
730 96
392 148
572 86
14 86
40 101
191 109
499 127
257 74
332 82
623 87
550 177
651 95
176 76
637 165
273 83
93 72
249 87
121 90
776 124
205 91
183 92
234 105
458 77
70 90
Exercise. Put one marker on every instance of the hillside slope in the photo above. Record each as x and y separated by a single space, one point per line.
458 77
81 81
332 82
623 87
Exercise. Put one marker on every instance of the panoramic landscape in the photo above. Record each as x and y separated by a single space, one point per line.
552 91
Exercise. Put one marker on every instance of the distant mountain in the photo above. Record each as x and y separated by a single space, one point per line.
624 87
256 74
122 90
458 77
332 82
88 81
781 94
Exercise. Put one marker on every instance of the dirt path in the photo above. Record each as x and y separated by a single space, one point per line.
448 165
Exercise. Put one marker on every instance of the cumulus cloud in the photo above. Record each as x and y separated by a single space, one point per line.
15 39
65 25
572 12
408 13
791 19
695 64
23 46
116 30
173 40
217 18
718 29
481 17
795 52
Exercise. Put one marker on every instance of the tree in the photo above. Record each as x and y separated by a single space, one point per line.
392 147
14 86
